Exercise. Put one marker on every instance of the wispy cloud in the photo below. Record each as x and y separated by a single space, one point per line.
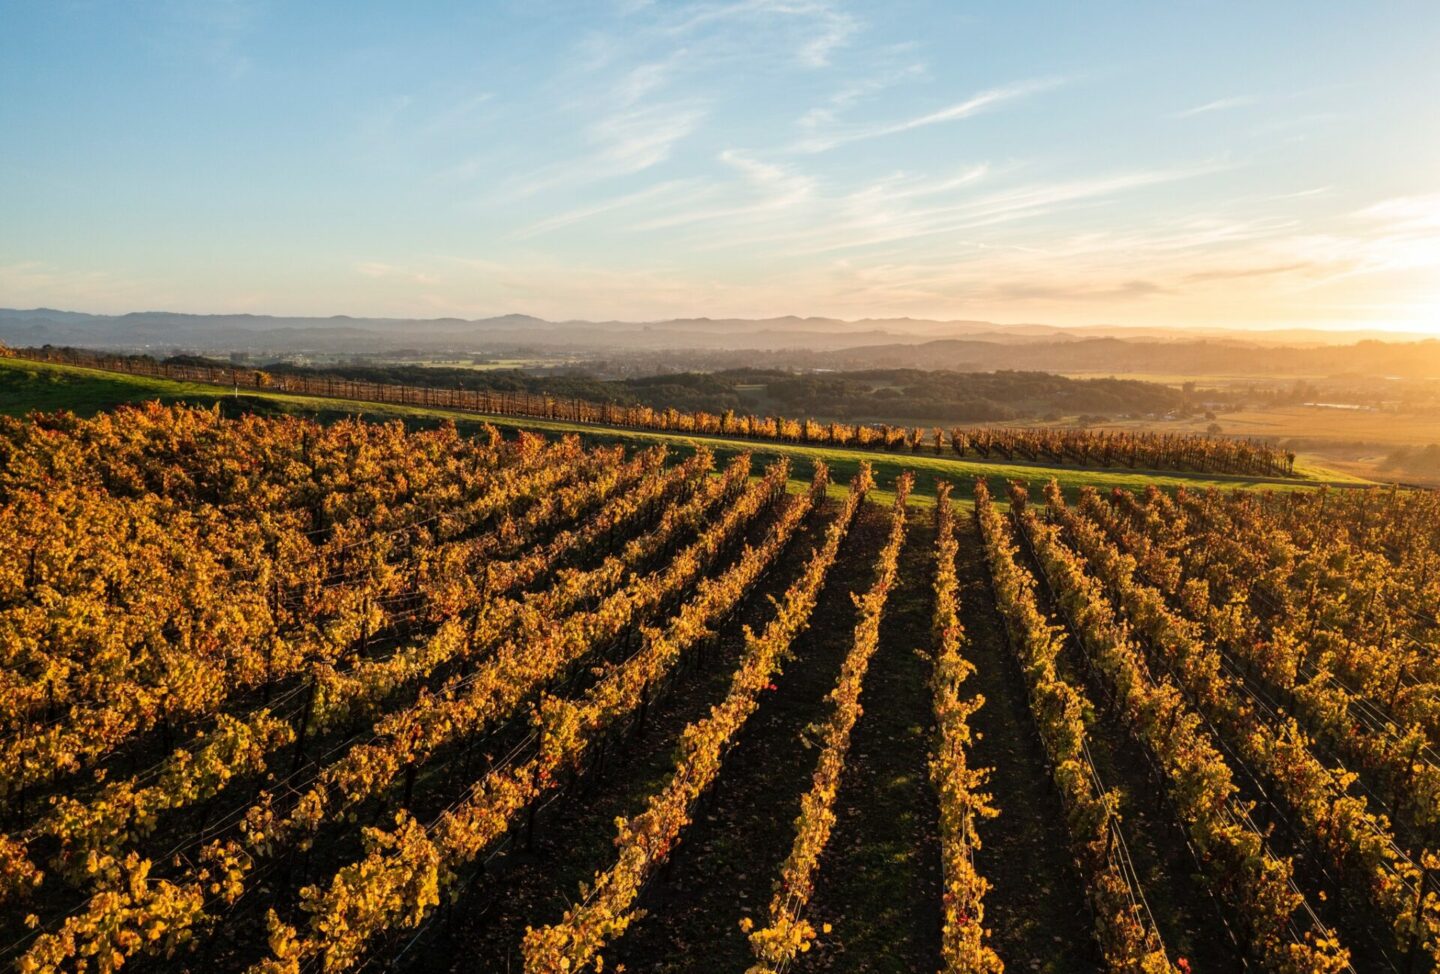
645 79
1298 194
645 89
834 30
1236 273
634 140
1395 238
817 27
974 105
775 188
1392 235
858 90
551 289
31 283
863 224
1405 214
1032 290
380 269
1218 105
661 191
907 187
621 143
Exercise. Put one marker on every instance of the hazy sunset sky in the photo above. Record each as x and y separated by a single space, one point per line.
1235 164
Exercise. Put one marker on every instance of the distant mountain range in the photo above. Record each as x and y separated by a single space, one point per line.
1205 357
790 341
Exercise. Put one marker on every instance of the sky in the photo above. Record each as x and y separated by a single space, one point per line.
1220 164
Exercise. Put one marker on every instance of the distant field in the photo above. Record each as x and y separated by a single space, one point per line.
1354 441
1212 381
489 366
27 385
1374 426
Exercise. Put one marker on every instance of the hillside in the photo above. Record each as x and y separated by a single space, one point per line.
797 729
22 381
964 346
899 395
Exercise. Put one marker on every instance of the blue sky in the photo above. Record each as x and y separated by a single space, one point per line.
1235 164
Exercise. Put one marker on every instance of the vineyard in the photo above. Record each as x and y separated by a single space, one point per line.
285 696
1082 447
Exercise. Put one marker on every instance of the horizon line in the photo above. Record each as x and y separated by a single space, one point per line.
1335 329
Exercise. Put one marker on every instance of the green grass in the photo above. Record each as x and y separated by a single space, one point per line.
31 386
26 386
